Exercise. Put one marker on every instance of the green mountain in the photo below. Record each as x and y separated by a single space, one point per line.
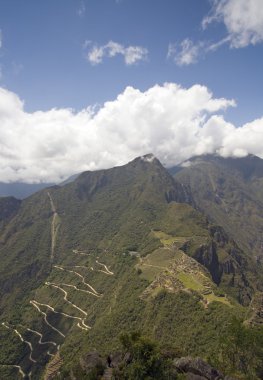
115 251
230 192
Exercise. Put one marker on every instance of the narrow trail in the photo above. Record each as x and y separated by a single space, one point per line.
36 305
41 337
54 226
22 340
95 293
72 304
20 371
106 268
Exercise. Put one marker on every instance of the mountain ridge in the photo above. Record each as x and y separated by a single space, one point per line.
77 260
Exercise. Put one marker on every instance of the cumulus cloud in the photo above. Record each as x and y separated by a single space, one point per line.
243 20
131 54
172 122
185 53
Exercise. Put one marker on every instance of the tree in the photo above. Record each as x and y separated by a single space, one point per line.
241 350
146 361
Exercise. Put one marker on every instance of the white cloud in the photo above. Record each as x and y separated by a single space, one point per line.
243 20
81 9
185 53
172 122
95 55
131 54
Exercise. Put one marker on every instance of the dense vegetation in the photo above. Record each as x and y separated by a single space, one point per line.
116 251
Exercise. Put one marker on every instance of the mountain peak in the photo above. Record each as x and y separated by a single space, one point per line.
148 157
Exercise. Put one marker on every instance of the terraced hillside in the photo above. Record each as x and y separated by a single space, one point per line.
114 250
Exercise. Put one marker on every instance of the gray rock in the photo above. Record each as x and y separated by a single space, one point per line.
91 360
197 367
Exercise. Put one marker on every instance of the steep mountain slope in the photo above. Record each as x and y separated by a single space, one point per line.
9 206
229 191
114 250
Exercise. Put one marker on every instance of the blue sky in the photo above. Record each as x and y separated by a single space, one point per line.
43 59
75 54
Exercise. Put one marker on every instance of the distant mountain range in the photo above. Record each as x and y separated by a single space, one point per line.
21 190
176 254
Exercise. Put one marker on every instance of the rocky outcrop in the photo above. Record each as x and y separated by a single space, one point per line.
207 256
92 360
196 368
192 368
256 310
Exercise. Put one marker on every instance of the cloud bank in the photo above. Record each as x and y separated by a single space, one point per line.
172 122
131 54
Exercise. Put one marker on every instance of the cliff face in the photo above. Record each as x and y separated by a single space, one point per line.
229 192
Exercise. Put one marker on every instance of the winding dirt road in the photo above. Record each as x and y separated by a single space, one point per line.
36 305
41 337
20 371
22 340
72 304
95 293
107 271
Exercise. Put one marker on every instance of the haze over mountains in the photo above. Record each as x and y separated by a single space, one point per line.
122 249
20 190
